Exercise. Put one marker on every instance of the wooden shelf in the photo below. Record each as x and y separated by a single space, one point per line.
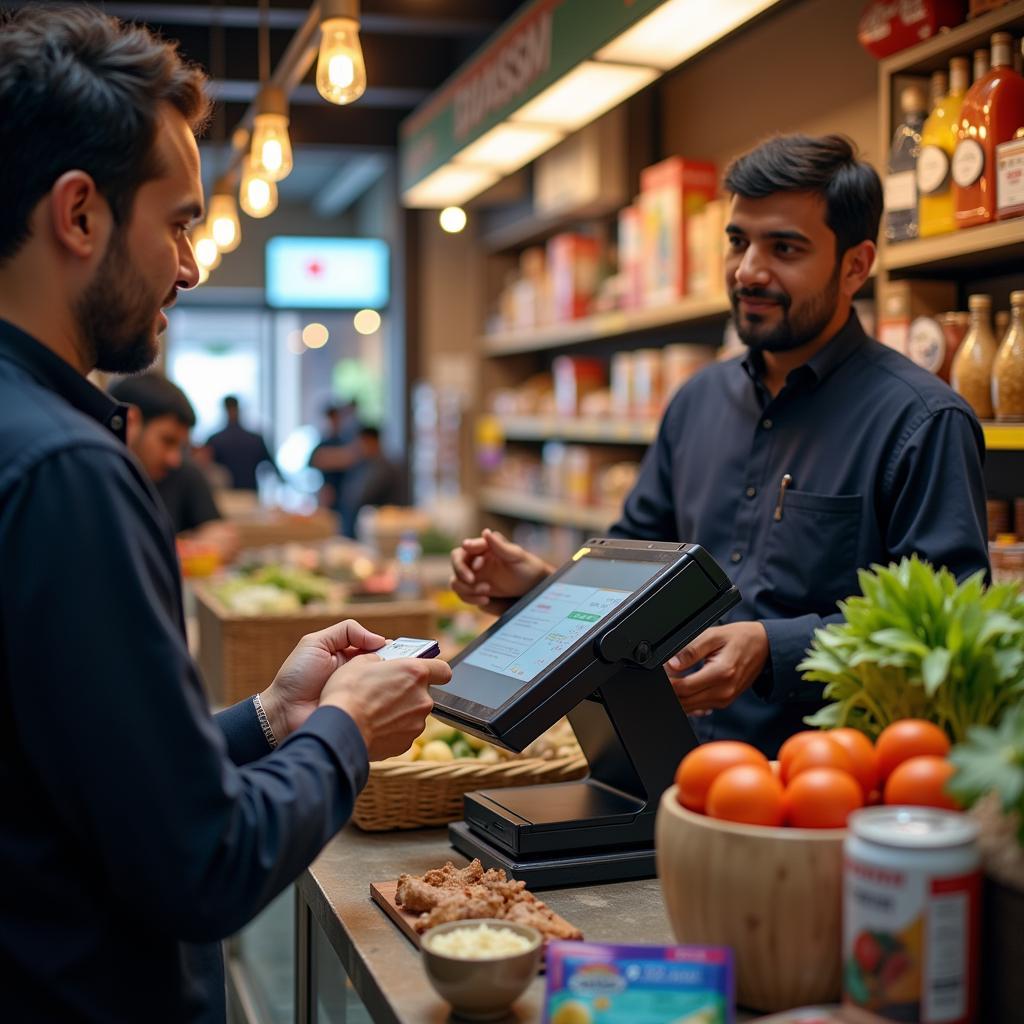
546 510
544 428
537 227
605 325
1006 437
987 245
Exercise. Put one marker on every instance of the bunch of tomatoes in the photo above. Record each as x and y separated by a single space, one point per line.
820 777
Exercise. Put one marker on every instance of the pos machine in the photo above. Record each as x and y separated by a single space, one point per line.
589 642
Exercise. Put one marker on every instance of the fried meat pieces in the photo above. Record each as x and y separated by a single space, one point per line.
460 894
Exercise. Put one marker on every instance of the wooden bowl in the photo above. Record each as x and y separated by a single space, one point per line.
774 895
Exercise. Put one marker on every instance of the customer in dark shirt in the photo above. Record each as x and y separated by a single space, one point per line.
137 830
818 453
373 480
238 450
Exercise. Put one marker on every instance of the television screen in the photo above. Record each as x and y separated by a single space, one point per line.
327 273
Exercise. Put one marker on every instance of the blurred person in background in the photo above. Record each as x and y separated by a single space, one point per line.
239 450
160 418
138 830
372 480
336 453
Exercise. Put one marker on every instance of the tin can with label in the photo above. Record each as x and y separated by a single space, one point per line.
912 890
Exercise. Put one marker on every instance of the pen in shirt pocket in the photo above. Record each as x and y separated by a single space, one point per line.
787 481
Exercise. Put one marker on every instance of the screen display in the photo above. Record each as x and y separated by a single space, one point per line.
327 273
520 650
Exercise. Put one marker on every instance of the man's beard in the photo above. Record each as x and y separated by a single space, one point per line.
117 313
796 328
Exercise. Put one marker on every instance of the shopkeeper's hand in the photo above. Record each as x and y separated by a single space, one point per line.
734 656
492 572
295 692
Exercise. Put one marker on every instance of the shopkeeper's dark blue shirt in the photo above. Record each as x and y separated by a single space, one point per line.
885 461
131 840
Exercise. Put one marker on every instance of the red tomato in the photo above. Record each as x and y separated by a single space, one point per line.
862 755
905 739
822 798
921 781
791 748
746 793
705 763
820 752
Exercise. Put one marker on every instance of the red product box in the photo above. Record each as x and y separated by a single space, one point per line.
574 263
888 26
575 378
670 193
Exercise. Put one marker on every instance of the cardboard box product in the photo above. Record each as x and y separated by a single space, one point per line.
671 192
582 472
679 363
622 385
705 239
576 377
904 302
574 263
647 383
631 257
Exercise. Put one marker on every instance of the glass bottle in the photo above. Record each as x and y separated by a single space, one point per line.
972 368
901 179
938 86
991 113
1002 319
980 65
938 142
1008 368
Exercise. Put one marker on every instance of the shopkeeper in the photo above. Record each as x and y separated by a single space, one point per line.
817 453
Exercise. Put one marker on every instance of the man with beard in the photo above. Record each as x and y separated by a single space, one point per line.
137 830
818 453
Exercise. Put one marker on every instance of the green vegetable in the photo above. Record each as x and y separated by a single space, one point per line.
305 585
992 760
460 748
918 645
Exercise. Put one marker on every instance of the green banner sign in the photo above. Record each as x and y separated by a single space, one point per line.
536 48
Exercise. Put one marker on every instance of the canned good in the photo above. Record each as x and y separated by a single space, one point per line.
910 915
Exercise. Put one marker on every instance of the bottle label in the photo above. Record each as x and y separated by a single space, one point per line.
900 191
926 344
1010 175
968 162
932 171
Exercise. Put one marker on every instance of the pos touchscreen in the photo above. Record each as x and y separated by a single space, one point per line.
546 653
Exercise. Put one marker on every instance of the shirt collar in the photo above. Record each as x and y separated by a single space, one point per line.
827 360
62 378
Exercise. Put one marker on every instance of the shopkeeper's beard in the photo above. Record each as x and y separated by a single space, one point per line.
798 325
117 313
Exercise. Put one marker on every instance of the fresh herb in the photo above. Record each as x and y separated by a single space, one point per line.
918 645
991 760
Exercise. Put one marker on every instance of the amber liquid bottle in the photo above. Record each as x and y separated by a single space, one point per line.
992 111
1008 368
971 376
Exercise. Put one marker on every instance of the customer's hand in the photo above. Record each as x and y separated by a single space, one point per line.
388 700
733 657
295 692
492 572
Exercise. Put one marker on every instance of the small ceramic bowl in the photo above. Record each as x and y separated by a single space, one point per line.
481 989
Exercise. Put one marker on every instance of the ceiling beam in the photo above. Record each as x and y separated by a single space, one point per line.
354 178
379 96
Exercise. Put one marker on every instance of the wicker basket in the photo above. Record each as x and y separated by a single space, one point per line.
240 654
416 794
263 527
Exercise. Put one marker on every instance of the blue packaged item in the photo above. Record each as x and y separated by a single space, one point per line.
602 983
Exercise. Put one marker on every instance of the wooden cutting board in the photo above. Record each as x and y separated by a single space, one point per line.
383 894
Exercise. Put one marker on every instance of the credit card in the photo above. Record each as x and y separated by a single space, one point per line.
409 647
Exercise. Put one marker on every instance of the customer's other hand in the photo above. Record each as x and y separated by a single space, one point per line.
733 657
492 572
295 692
388 700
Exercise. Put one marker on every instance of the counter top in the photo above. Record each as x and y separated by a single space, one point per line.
385 967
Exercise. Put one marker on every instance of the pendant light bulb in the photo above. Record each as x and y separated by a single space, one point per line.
340 68
257 195
271 148
223 217
205 248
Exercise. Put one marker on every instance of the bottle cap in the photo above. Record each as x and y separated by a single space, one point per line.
913 100
1017 298
979 301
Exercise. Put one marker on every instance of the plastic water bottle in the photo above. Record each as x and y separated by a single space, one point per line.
407 567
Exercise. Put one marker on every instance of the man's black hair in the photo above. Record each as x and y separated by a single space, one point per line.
155 396
827 166
231 403
82 91
370 433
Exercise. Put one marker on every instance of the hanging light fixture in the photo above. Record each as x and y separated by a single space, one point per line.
222 216
205 248
340 68
257 195
271 148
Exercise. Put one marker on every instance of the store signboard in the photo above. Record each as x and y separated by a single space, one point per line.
327 273
548 39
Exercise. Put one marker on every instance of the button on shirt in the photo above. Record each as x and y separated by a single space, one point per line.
137 830
883 460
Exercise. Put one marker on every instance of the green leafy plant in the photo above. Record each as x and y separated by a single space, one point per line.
916 644
991 760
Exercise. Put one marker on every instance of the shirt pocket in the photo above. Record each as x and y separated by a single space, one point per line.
810 559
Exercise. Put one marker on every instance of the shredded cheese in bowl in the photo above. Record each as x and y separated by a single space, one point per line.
479 942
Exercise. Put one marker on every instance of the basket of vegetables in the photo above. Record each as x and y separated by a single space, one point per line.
425 785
